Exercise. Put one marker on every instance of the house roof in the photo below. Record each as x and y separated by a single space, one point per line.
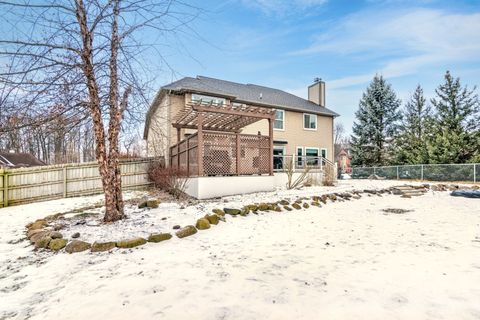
239 92
247 93
17 160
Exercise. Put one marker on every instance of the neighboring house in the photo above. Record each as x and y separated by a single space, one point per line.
343 161
302 127
19 160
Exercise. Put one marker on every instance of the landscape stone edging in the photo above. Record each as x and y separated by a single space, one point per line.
43 238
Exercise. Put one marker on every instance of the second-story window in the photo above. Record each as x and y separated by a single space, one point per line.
309 121
279 122
207 99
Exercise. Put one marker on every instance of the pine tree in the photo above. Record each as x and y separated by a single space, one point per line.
376 124
411 143
455 135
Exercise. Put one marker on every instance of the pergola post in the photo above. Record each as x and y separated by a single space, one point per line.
178 147
270 135
237 135
200 143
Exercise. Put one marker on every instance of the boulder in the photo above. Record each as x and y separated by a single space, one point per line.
186 231
332 197
176 227
212 218
296 206
253 207
76 235
56 235
264 207
315 204
31 233
142 204
202 224
131 243
284 202
159 237
38 235
306 205
218 212
277 208
287 208
38 224
232 212
77 246
153 203
324 198
43 242
57 244
102 246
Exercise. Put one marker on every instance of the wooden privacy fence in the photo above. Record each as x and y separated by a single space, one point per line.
25 185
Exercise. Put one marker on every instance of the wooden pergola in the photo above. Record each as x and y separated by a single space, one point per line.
218 140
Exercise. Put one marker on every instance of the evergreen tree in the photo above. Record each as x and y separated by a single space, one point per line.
411 143
376 124
455 135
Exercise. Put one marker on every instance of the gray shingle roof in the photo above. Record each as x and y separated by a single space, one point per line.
247 93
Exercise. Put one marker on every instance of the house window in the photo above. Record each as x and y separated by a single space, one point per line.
309 121
207 99
299 156
312 156
279 123
278 157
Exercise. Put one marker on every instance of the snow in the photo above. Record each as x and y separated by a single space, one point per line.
345 260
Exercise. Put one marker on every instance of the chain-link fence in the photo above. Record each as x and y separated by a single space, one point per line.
433 172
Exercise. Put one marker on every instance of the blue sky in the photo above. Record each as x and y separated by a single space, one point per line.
286 44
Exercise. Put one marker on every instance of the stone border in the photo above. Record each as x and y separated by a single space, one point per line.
43 235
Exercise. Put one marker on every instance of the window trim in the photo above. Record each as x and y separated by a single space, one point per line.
283 120
316 121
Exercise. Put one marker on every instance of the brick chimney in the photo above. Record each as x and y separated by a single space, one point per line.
316 92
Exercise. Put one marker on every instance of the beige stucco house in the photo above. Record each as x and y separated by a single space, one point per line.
301 127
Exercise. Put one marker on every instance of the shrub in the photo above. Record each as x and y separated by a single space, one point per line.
171 179
289 169
328 177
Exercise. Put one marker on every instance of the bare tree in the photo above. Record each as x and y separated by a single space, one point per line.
92 49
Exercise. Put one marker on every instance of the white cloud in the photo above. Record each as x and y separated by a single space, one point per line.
401 41
282 6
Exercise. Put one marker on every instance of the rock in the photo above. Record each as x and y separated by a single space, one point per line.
284 202
315 203
58 227
43 242
202 224
222 218
232 212
287 208
212 218
332 197
142 205
277 209
57 244
38 235
406 196
263 207
159 237
153 203
218 212
76 235
324 198
102 246
296 206
131 243
31 233
176 227
38 224
56 235
186 231
77 246
252 207
306 205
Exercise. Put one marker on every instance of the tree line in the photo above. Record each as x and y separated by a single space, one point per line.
445 129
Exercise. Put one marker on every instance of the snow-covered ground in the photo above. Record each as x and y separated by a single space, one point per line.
345 260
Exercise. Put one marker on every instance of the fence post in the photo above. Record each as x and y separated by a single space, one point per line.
5 189
398 176
64 181
474 173
421 170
